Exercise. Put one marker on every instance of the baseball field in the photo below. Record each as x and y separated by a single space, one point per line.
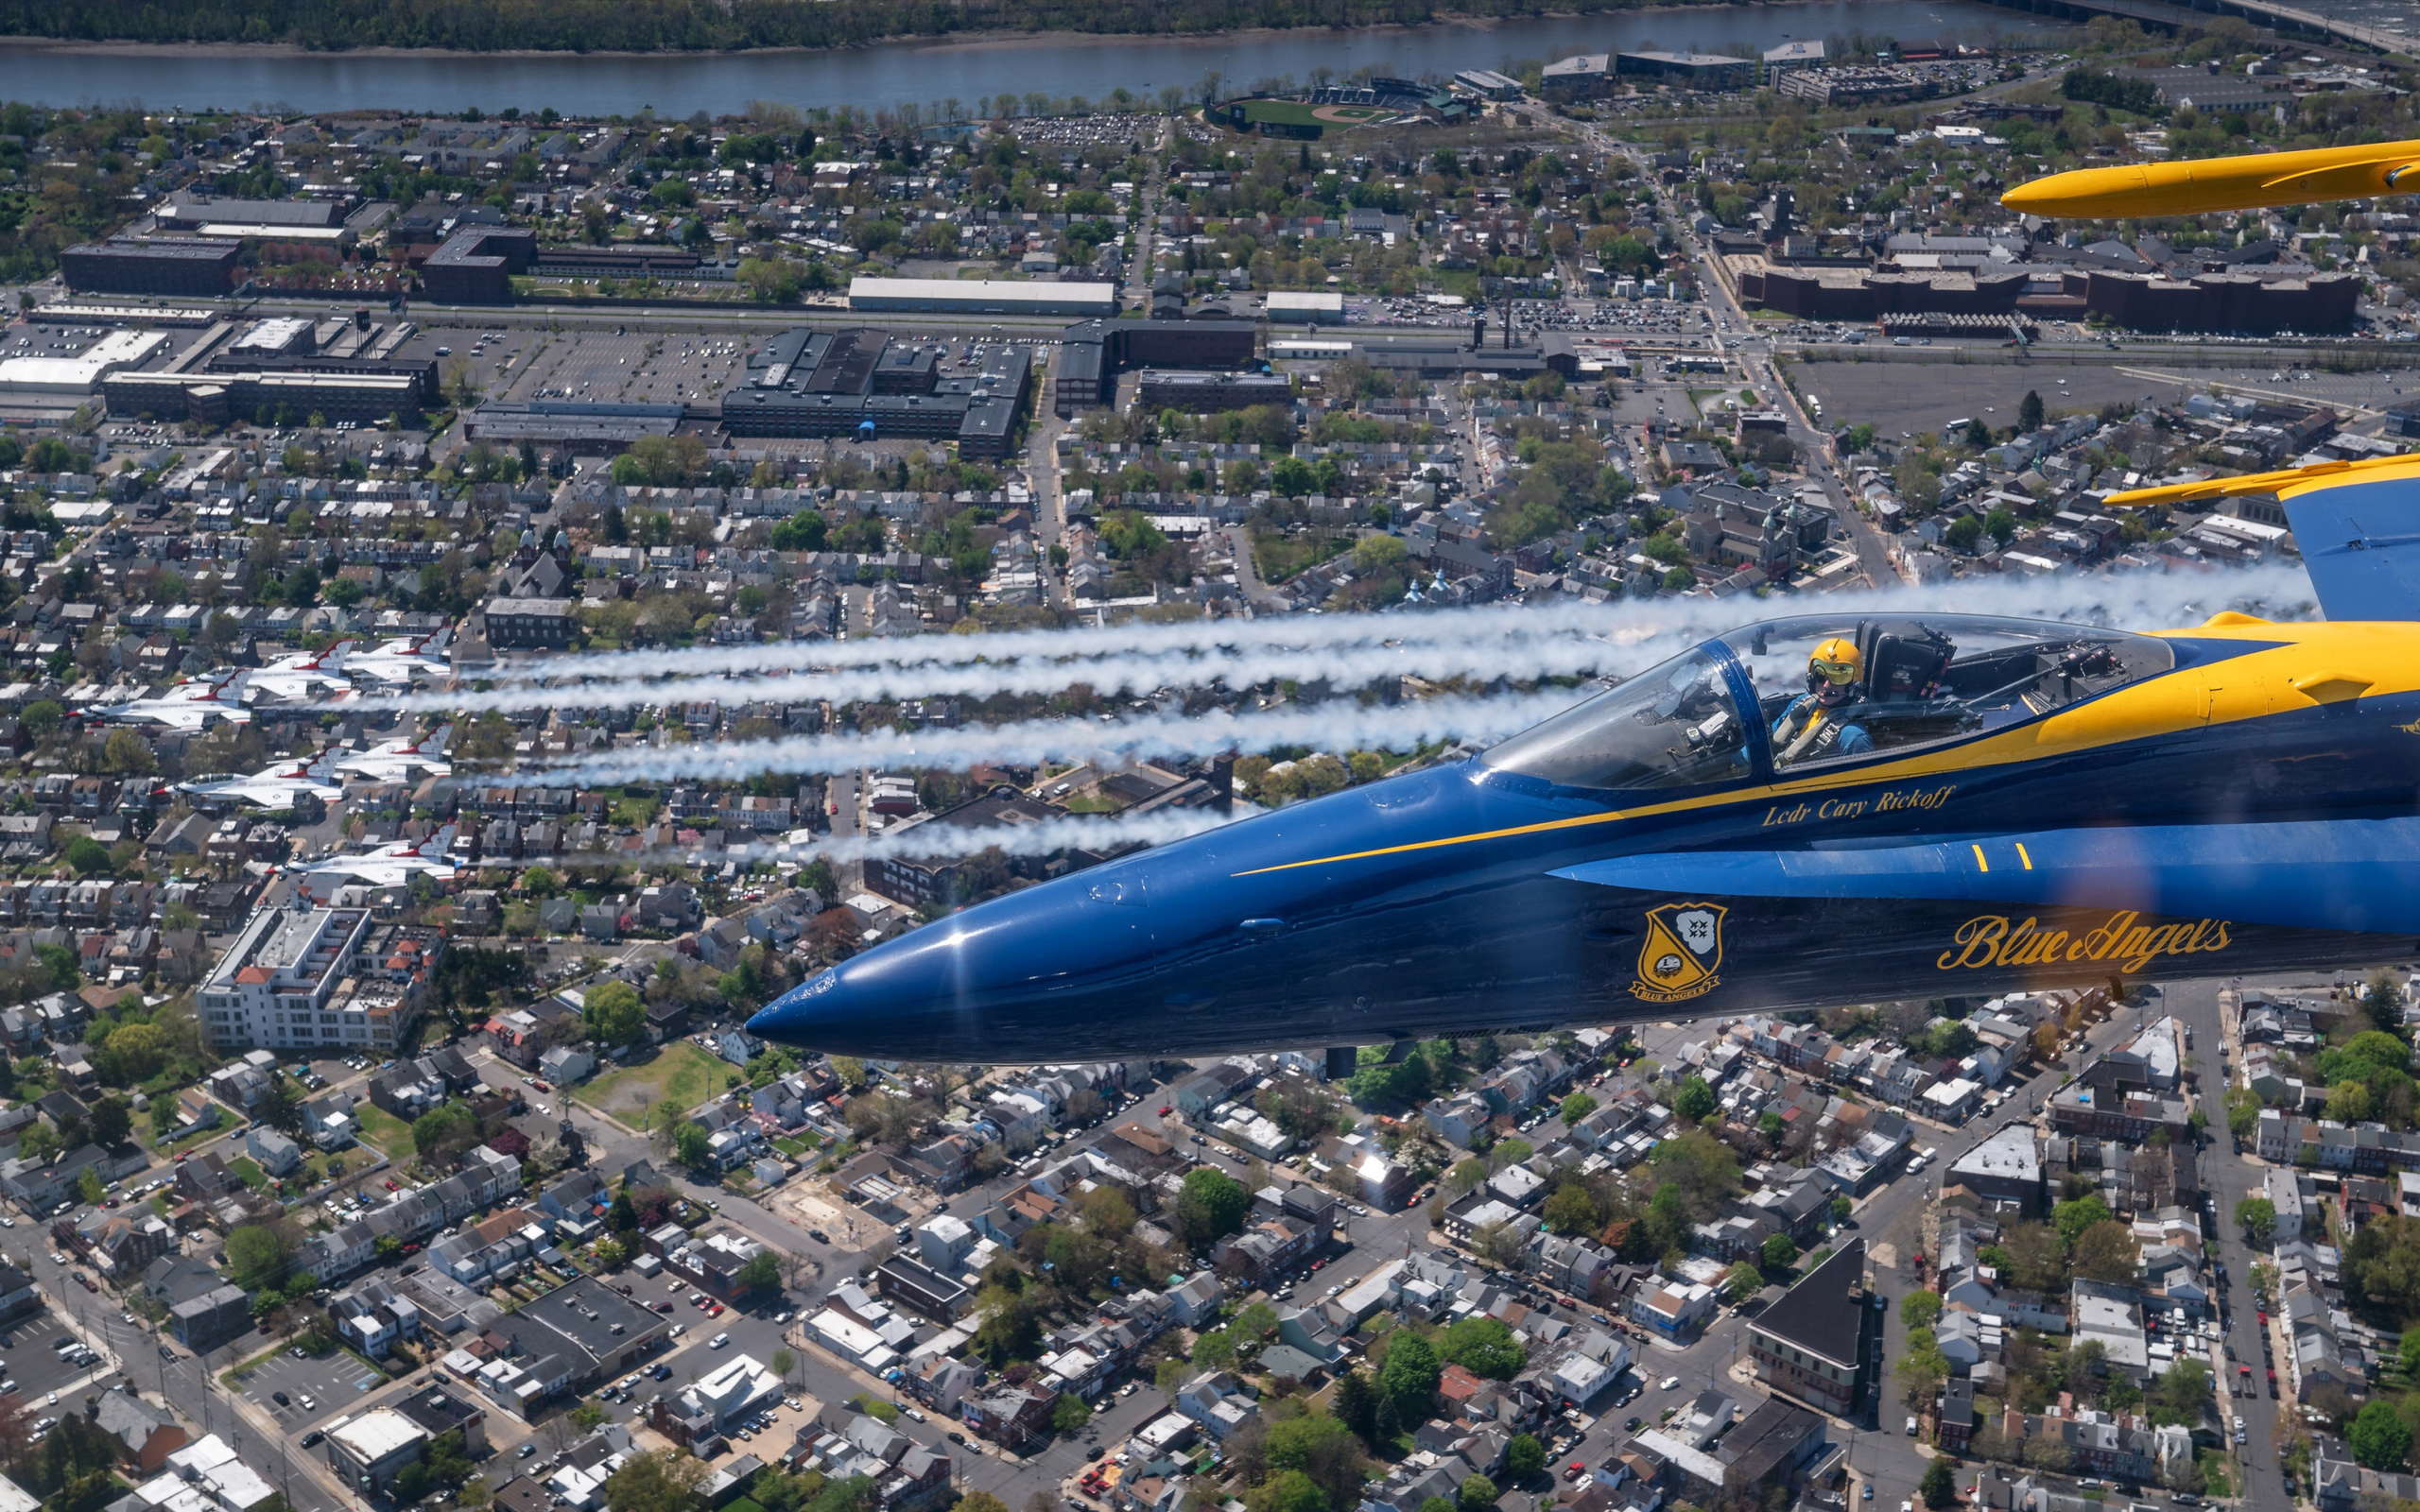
1295 112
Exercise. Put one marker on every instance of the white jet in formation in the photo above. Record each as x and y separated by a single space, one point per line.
302 677
397 760
272 787
190 706
384 865
402 661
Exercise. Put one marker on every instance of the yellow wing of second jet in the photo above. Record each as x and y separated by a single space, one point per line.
2209 185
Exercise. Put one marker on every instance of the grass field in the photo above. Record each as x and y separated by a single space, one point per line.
680 1071
1295 112
391 1135
1284 112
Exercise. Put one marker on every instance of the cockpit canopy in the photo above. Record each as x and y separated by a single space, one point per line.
1746 707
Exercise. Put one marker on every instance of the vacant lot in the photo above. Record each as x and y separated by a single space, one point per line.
385 1131
1917 397
678 1070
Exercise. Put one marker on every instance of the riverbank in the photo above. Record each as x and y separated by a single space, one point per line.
937 41
928 72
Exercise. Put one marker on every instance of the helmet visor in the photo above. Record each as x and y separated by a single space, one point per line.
1839 674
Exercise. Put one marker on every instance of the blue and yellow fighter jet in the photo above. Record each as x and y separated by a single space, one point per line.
1835 808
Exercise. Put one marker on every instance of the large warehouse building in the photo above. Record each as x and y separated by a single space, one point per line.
36 384
475 266
942 295
186 266
1093 352
806 383
2249 298
279 398
320 221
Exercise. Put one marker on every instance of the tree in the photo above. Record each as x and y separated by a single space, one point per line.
1210 1205
1920 1310
255 1256
1922 1368
126 753
1356 1402
1577 1106
1485 1347
2029 418
1742 1281
1411 1375
111 1122
1572 1209
2073 1216
1778 1251
623 1216
1940 1485
2108 1252
2259 1217
88 856
1477 1493
2182 1394
1525 1457
1288 1491
659 1481
1070 1414
692 1144
2379 1437
1695 1100
445 1132
1842 1208
763 1272
614 1014
1498 1244
979 1502
88 1186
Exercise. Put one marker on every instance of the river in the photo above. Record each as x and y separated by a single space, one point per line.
922 73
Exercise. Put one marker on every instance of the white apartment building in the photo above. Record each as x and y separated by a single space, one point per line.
290 982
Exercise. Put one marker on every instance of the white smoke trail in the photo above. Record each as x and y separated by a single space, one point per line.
1047 837
1336 725
1523 643
1207 636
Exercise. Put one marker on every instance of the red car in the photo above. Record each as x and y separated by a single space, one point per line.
393 1185
715 1311
541 1086
1165 1110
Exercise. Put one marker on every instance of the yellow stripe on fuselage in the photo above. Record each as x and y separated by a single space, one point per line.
2249 686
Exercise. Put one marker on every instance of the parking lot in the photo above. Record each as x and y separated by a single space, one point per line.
648 368
42 1371
328 1384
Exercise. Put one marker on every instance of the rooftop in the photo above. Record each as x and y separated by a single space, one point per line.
1824 1312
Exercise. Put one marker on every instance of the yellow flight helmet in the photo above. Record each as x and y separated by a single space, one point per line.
1837 662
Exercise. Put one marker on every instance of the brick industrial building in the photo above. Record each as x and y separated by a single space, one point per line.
2270 298
184 265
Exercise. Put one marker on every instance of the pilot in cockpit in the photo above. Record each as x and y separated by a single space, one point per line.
1826 720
